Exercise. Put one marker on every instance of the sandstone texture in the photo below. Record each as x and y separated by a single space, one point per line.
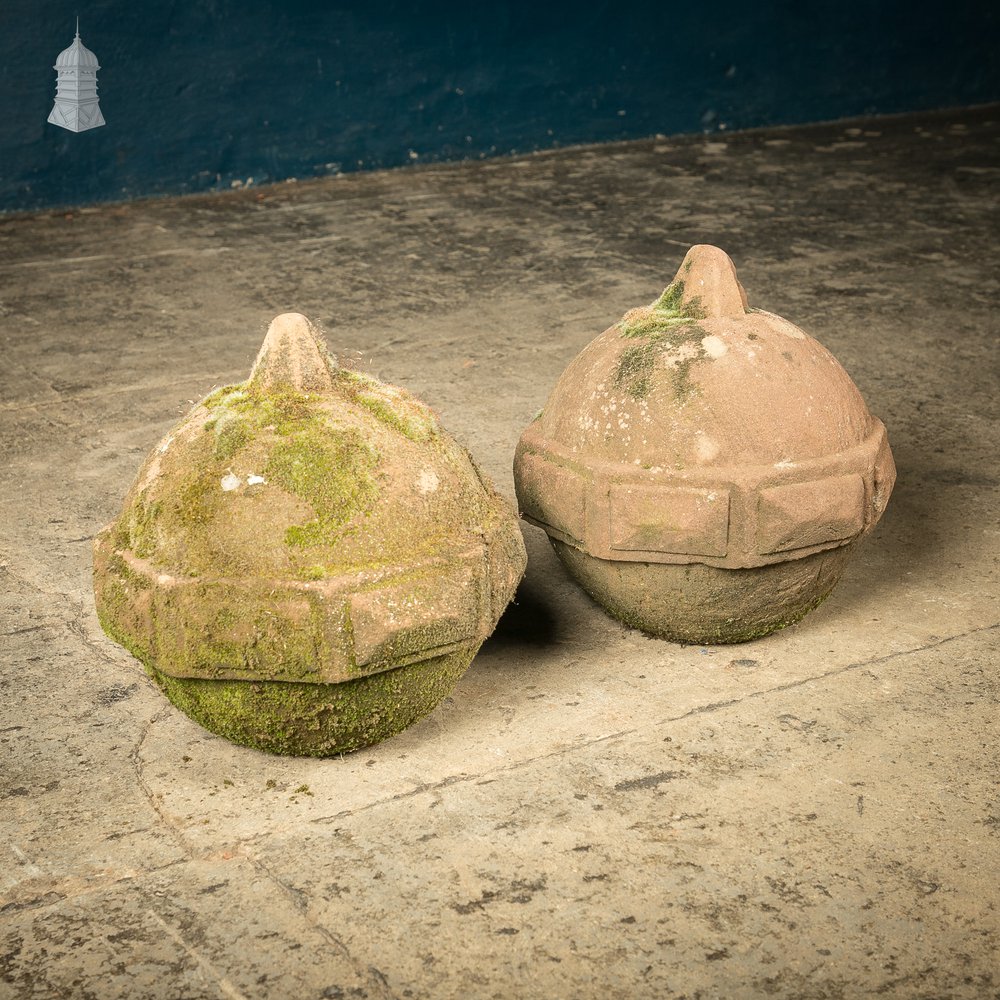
704 469
307 563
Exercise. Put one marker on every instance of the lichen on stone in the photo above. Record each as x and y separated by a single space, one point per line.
247 538
660 316
669 339
316 720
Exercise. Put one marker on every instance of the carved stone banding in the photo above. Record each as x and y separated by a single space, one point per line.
338 629
564 491
801 515
733 518
648 518
393 623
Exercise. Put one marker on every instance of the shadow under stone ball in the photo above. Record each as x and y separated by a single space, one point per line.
704 469
308 562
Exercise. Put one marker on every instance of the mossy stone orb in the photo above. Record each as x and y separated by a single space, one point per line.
308 562
704 469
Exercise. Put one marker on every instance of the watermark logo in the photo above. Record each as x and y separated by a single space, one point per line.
76 106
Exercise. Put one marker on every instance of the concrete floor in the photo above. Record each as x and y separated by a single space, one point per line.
592 813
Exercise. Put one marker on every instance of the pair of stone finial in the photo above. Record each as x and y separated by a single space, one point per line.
309 562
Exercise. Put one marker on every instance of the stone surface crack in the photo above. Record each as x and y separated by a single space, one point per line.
208 970
698 710
69 889
846 668
21 631
135 759
455 779
105 652
25 582
300 901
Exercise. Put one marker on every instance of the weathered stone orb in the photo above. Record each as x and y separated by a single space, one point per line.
308 562
704 469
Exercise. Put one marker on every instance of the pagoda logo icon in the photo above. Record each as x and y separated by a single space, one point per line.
76 106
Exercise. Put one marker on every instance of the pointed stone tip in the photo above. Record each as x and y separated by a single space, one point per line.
709 277
293 356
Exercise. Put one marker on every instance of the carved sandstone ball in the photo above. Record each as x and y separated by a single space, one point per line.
704 469
308 562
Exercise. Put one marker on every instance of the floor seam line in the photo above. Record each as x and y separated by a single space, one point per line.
846 668
699 710
294 895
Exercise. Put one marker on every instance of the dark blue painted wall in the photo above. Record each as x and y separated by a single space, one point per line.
197 94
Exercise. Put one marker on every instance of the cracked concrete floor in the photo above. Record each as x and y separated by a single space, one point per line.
592 813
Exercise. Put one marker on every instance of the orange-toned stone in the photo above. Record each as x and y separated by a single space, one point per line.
308 562
704 468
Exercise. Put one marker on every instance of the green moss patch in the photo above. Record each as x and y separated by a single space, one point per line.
329 469
638 364
393 406
667 326
635 369
281 412
232 433
668 311
140 526
316 720
213 629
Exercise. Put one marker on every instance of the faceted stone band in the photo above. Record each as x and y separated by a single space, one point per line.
731 518
344 627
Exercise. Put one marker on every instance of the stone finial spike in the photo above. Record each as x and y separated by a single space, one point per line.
710 278
293 356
